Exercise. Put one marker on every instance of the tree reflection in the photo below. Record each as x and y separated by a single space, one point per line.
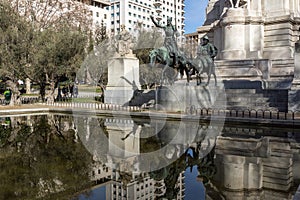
37 162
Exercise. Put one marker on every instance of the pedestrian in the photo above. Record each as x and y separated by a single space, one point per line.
7 96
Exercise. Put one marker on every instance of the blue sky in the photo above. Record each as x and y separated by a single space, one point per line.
194 14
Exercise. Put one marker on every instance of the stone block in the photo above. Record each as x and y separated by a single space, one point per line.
123 66
277 43
279 176
119 90
280 145
274 169
117 95
179 97
282 187
287 71
278 52
233 54
272 32
279 164
278 26
277 180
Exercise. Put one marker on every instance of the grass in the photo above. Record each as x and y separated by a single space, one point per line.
82 100
89 88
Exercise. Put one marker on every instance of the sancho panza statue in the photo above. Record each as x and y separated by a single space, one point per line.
206 51
169 42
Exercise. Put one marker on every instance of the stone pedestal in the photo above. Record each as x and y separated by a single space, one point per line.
178 97
122 73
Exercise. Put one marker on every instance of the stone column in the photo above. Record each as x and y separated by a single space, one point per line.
233 34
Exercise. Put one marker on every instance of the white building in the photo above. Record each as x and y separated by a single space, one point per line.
99 12
131 12
46 13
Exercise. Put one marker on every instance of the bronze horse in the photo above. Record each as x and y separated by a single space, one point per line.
199 66
162 56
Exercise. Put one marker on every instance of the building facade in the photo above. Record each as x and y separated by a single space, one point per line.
47 13
99 12
132 13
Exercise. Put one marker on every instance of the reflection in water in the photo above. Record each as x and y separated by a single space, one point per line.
61 156
39 161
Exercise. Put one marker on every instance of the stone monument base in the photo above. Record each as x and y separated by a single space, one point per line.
118 95
178 98
123 79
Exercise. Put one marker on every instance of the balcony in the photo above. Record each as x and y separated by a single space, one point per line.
157 3
158 17
158 10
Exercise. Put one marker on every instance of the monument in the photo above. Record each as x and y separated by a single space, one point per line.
294 92
256 43
123 66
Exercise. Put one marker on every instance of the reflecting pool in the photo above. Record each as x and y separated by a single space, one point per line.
61 156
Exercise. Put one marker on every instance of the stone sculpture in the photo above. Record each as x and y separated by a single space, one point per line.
124 42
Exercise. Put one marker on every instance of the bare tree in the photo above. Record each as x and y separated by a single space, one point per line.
43 14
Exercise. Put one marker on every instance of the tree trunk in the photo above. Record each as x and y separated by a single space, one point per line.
15 93
28 87
43 91
51 95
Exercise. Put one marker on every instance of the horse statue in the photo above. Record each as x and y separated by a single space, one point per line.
162 56
200 65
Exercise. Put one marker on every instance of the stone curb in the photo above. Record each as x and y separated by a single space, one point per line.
157 115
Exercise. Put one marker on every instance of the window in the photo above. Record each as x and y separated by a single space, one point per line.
97 14
105 16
